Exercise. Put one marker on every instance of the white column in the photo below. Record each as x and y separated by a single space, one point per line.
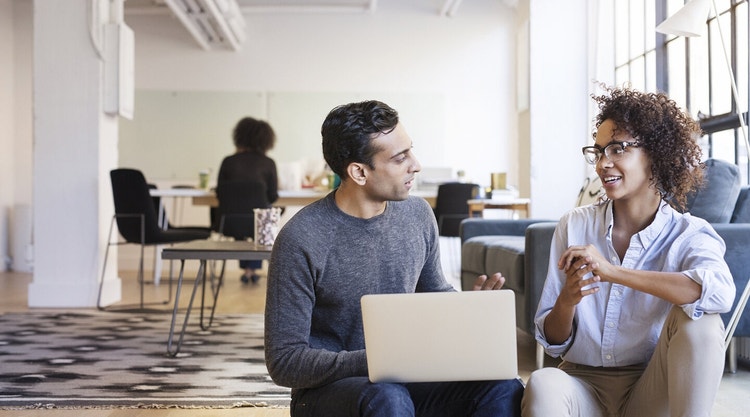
75 147
559 85
7 60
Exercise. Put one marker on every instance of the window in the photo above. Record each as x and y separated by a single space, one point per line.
693 71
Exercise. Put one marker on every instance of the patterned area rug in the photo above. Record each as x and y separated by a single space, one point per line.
84 359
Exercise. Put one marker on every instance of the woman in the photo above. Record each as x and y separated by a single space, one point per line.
633 287
252 140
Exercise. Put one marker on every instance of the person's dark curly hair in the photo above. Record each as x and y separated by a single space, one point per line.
253 135
348 131
665 132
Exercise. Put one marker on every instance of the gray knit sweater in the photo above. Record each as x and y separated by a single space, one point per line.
323 262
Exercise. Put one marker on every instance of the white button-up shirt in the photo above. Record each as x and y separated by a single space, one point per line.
619 326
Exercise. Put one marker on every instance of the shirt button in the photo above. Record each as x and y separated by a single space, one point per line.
613 259
608 357
610 324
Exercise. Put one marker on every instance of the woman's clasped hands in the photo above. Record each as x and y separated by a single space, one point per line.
584 267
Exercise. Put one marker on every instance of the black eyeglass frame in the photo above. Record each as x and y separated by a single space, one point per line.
603 150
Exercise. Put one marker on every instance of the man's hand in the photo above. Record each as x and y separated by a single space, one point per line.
495 282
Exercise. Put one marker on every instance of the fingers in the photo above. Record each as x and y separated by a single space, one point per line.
495 282
575 254
581 280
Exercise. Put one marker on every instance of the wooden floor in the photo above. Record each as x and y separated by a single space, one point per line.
244 298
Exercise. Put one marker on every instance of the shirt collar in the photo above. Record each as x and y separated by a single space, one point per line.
663 216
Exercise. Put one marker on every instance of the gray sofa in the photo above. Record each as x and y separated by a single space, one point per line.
519 249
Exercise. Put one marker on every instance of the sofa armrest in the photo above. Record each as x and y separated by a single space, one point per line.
482 227
737 239
536 264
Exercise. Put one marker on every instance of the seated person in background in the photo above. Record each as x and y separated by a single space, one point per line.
634 286
367 236
252 140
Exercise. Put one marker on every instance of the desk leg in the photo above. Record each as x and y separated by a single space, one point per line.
215 292
476 210
198 279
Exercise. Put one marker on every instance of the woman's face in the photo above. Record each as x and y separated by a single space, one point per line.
630 175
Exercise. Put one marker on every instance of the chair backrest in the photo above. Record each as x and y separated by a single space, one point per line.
237 199
451 207
132 199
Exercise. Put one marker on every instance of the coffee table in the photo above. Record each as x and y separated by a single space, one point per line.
204 251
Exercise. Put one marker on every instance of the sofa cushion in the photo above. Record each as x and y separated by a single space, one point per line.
473 253
715 201
505 255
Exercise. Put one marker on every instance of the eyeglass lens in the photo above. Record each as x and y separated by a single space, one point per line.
613 152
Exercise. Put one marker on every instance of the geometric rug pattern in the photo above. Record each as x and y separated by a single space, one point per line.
99 359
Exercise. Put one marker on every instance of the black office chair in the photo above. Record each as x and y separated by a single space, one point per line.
165 224
138 223
234 217
451 207
237 199
163 218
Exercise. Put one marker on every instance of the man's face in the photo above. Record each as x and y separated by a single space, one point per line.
394 167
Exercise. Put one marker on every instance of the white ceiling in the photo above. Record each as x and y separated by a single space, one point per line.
212 29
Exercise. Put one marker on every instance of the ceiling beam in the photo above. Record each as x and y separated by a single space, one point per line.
450 7
364 7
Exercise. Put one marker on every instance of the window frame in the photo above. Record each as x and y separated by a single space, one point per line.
682 81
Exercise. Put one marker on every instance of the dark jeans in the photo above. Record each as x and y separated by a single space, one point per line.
251 264
358 397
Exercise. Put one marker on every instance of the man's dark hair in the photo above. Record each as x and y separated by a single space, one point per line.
349 129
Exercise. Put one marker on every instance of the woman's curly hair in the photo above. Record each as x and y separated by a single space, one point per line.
665 132
253 135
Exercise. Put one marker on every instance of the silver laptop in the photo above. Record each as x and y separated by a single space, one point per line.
445 336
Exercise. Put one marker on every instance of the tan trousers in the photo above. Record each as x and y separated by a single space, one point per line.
681 379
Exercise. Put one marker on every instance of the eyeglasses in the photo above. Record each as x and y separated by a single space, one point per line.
614 151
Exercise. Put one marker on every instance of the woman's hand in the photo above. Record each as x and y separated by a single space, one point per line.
582 266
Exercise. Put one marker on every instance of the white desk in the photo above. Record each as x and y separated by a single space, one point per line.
477 206
286 197
301 197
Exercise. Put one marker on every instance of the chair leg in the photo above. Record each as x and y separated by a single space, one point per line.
157 264
140 275
539 356
732 356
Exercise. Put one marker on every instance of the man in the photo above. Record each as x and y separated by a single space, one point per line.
367 236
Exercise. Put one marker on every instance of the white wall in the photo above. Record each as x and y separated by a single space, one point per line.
405 48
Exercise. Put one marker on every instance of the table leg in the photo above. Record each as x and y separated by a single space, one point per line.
198 279
215 292
476 210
